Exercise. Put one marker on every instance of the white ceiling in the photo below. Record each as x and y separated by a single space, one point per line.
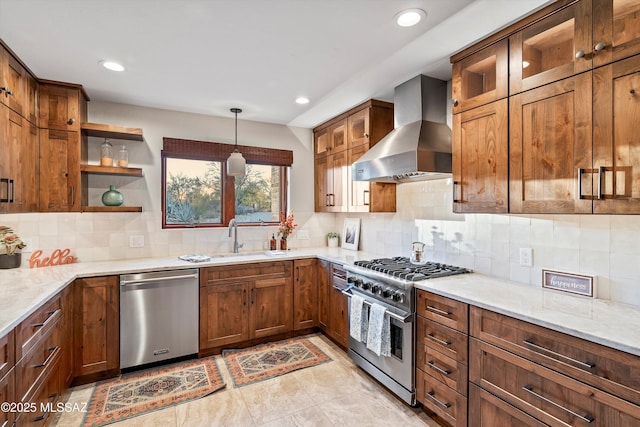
206 56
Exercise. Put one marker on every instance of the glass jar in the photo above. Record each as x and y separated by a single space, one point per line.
106 153
123 157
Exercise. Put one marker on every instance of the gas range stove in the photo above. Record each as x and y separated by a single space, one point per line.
392 279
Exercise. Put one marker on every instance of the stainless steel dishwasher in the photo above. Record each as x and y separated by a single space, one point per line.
158 316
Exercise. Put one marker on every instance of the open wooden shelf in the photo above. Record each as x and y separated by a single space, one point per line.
111 208
111 131
110 170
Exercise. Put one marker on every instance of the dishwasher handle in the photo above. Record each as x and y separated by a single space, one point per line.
157 279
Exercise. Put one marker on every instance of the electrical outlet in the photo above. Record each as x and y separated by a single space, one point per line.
526 257
136 241
302 234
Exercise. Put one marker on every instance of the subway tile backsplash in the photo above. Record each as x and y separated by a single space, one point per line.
602 245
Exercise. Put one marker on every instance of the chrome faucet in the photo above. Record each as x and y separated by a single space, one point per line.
233 226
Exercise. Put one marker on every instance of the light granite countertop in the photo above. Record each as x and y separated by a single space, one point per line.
605 322
616 325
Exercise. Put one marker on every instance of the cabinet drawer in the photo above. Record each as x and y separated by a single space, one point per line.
7 395
442 400
265 270
37 365
489 411
610 370
451 313
443 368
545 394
44 397
7 353
443 339
36 326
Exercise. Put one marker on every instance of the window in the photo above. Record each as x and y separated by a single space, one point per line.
197 192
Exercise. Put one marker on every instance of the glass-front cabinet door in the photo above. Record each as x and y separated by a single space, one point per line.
480 78
358 131
616 30
555 48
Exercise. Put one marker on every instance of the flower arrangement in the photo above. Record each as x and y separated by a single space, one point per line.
10 240
286 225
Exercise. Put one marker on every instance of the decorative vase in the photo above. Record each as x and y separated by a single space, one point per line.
10 261
283 244
112 197
333 242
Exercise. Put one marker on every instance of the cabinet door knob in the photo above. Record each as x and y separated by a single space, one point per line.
580 54
2 88
71 121
455 102
366 135
600 46
8 92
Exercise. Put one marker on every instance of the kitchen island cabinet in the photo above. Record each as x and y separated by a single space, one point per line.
96 334
244 302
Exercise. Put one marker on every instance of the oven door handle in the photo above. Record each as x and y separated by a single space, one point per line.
402 319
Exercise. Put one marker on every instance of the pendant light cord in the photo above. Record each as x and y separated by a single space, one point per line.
236 111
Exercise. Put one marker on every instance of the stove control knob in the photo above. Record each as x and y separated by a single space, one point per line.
357 283
386 293
374 289
367 285
351 279
398 297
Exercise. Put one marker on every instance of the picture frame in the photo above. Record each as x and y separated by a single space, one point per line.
578 284
351 234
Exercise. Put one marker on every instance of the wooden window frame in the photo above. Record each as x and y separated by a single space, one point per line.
214 151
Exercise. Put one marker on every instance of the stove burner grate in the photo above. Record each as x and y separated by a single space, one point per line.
402 268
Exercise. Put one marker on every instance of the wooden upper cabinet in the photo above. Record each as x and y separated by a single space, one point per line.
331 139
481 77
331 183
616 30
550 131
364 196
59 171
481 159
13 82
358 128
616 144
557 47
321 142
61 107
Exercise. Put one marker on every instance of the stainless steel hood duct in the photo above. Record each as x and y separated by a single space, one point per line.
419 148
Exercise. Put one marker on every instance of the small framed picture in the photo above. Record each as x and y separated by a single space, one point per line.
351 234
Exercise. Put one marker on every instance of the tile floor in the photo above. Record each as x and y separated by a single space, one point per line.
336 393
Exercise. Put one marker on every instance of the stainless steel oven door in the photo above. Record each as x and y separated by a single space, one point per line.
399 366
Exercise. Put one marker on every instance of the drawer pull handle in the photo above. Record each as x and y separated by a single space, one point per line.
53 351
52 314
438 340
437 310
6 423
432 395
578 362
436 368
586 418
40 418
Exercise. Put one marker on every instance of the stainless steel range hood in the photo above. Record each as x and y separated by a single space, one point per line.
419 148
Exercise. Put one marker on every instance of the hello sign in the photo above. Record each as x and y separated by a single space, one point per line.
57 257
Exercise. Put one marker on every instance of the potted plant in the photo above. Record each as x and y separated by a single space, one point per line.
333 239
10 246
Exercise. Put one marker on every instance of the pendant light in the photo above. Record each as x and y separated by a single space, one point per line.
236 163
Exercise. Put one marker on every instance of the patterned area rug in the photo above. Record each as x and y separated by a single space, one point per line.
259 363
150 390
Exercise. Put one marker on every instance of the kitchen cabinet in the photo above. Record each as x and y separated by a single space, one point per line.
616 142
333 305
13 82
481 159
331 183
361 127
550 130
7 394
239 303
19 163
66 331
547 375
441 356
616 24
555 48
481 78
305 294
59 171
96 334
61 106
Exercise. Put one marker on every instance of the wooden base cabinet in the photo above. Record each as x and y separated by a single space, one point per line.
305 294
96 331
7 394
333 305
486 410
239 303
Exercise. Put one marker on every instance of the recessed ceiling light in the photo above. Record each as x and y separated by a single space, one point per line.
110 65
302 100
409 17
